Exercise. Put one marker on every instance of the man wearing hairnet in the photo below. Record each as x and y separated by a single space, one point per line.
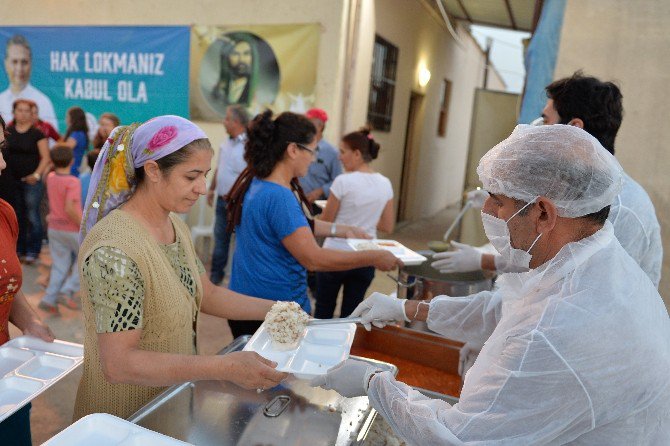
595 106
577 349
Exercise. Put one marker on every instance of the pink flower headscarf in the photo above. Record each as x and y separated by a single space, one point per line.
127 148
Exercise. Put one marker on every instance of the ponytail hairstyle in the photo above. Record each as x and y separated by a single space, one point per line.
268 139
363 141
265 148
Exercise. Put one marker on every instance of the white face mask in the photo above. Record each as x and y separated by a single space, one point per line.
498 234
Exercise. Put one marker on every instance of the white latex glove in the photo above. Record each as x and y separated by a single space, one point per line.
477 197
379 309
467 356
503 267
349 378
464 259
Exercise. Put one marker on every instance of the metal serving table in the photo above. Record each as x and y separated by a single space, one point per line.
293 413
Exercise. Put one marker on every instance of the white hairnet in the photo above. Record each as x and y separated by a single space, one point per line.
561 162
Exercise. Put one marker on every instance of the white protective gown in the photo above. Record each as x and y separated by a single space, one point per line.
577 352
636 226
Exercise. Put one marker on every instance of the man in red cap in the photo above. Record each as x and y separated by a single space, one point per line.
325 167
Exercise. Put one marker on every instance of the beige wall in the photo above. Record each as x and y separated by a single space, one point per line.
420 36
630 46
493 119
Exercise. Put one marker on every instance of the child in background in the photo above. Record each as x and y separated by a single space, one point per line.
64 218
85 177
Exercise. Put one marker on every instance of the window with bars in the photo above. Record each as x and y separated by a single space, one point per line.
382 84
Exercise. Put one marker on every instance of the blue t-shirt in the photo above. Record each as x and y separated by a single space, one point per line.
262 266
79 150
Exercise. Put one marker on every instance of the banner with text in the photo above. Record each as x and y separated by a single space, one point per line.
258 67
134 72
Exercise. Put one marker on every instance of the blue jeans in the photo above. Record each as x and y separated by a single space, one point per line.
63 247
355 283
221 243
15 430
28 214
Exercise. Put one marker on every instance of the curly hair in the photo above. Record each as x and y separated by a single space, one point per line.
268 139
363 141
598 104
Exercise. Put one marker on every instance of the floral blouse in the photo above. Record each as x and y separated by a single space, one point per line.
116 287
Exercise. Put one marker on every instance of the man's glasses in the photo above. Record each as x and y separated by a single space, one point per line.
300 146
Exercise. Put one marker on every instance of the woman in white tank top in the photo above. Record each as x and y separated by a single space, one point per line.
360 197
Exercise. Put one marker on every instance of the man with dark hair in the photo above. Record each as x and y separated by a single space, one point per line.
238 67
18 65
595 106
587 103
230 166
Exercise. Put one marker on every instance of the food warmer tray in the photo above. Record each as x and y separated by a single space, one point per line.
29 366
221 413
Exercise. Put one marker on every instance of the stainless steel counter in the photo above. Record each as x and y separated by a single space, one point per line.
293 413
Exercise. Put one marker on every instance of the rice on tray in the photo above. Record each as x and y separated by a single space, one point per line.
285 323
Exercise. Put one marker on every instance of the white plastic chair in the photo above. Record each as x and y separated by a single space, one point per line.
202 230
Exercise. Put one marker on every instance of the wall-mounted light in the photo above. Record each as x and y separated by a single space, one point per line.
424 75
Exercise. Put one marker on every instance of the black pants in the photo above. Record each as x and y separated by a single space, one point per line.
240 328
355 283
15 430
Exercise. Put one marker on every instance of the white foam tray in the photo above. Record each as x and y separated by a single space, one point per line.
406 255
103 429
321 347
29 366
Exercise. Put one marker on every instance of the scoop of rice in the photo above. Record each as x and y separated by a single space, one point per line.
366 246
285 323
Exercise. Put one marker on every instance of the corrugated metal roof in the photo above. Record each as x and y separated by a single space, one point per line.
519 15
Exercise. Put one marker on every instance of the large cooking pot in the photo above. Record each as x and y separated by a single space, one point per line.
423 282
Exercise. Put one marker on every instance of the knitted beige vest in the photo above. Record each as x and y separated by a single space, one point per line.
169 312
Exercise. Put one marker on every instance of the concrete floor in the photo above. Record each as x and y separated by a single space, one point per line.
52 411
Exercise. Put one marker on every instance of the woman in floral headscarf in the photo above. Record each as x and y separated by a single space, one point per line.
142 282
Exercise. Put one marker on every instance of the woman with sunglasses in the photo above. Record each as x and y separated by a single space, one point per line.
274 230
